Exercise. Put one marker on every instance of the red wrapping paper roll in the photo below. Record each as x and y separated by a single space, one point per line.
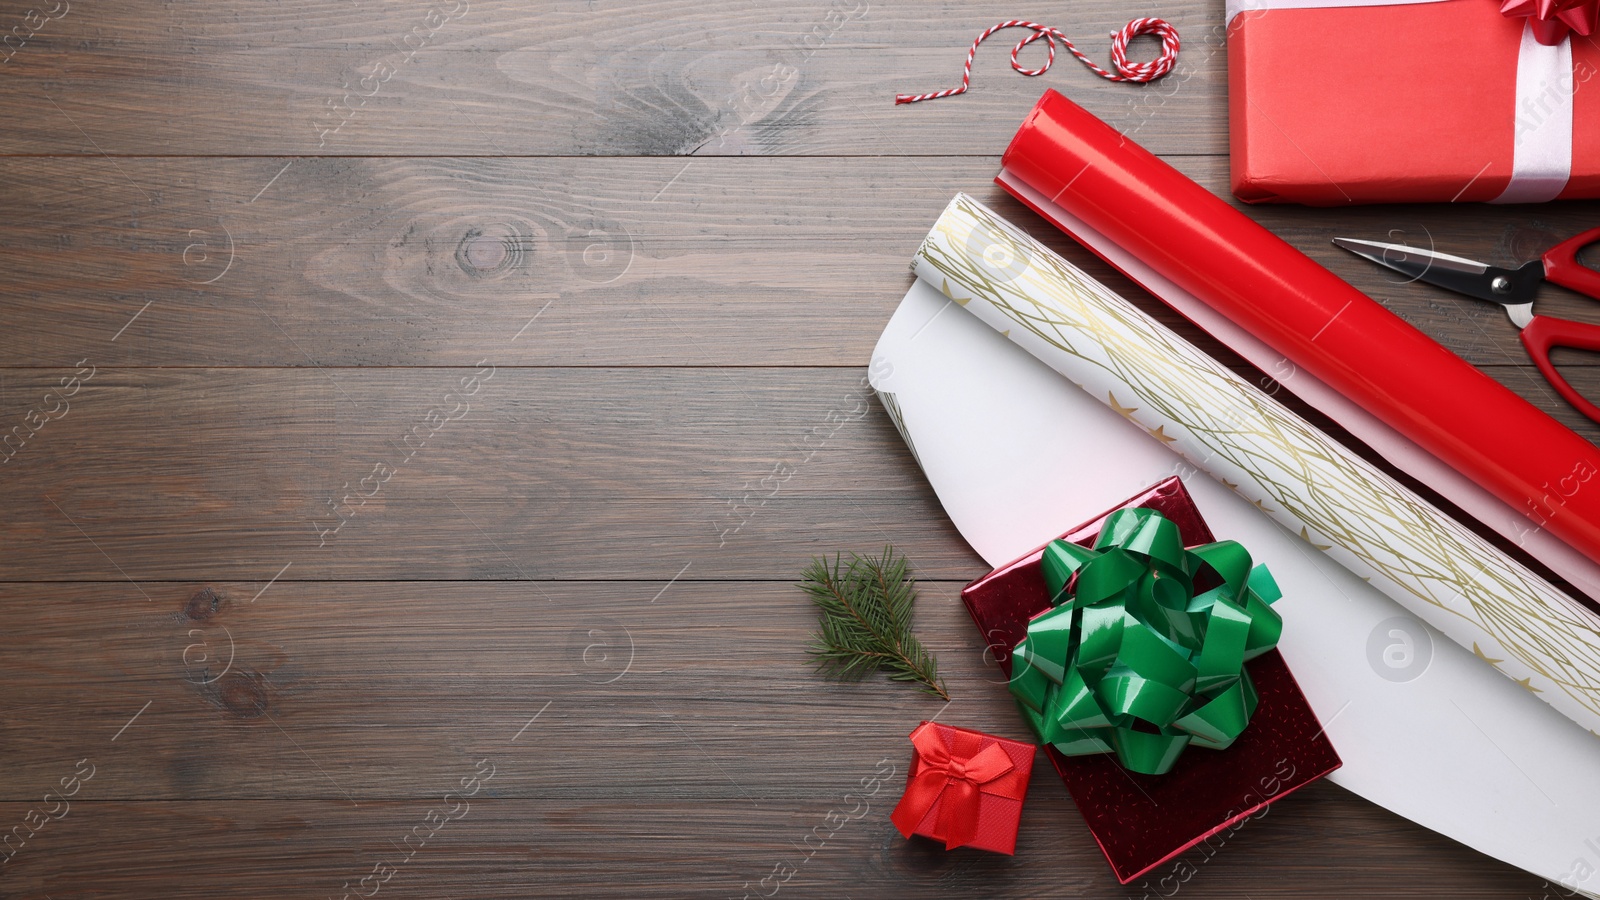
1336 333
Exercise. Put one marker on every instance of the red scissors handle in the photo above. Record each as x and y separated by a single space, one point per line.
1545 332
1561 265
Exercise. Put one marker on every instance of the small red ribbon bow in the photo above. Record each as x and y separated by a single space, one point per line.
1553 19
957 774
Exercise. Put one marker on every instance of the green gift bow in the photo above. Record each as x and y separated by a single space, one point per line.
1131 660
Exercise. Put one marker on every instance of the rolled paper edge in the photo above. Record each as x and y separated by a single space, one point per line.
1434 421
1541 592
1474 503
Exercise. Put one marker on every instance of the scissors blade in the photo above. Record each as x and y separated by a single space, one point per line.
1465 276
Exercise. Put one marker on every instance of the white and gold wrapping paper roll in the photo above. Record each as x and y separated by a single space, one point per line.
1308 483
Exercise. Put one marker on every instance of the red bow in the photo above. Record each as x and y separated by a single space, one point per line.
957 773
1552 19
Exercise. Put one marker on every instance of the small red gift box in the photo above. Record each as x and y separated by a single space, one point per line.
965 788
1351 102
1142 821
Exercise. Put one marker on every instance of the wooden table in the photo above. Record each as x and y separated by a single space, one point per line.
429 360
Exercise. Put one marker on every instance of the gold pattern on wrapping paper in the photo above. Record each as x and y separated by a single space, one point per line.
1306 536
1311 477
1124 411
1478 652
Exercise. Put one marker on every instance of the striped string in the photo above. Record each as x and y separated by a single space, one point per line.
1126 71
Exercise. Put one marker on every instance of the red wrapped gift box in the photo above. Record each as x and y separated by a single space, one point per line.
1141 821
1410 102
965 788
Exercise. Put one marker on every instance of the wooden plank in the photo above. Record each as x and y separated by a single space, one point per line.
497 77
577 261
174 474
380 689
163 474
539 474
659 737
1320 840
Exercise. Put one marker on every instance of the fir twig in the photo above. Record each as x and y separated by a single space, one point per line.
864 609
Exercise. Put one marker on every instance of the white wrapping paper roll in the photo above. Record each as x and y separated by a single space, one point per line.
1377 528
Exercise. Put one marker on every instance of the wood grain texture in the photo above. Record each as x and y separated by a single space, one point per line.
543 473
522 847
501 78
358 707
431 358
230 262
396 473
525 847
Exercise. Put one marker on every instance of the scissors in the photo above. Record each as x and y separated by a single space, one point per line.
1514 289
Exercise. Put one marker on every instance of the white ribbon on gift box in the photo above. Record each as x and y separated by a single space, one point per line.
1541 154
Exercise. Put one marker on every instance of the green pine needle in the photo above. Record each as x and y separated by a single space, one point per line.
864 609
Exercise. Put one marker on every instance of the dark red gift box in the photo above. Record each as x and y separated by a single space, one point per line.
1142 821
965 788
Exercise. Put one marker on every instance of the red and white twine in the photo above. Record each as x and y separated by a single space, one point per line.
1126 71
